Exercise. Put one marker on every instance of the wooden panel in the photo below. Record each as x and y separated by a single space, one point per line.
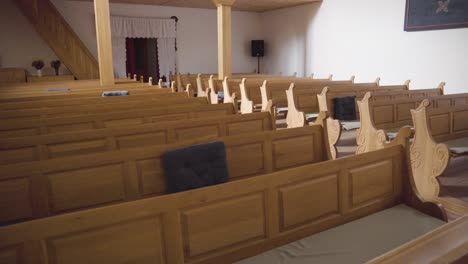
70 127
76 148
11 255
51 78
371 182
141 140
440 124
247 159
383 114
60 37
188 133
84 187
297 199
15 200
18 155
235 128
293 151
403 111
460 122
217 224
228 228
124 122
151 178
11 75
143 243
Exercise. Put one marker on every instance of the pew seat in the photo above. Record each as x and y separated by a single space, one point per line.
458 146
355 242
240 219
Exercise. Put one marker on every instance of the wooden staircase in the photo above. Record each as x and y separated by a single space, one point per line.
60 37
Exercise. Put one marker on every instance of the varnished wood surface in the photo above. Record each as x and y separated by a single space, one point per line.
253 215
60 37
48 146
48 187
239 5
11 75
446 244
111 118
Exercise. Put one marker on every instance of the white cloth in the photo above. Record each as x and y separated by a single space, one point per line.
166 56
163 29
143 27
119 57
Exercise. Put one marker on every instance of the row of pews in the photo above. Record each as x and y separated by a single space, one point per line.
82 177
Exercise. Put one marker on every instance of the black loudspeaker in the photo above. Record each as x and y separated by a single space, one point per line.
258 48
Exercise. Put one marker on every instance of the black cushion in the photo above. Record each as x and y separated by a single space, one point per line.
345 108
195 167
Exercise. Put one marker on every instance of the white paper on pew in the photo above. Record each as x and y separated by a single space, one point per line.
350 125
356 242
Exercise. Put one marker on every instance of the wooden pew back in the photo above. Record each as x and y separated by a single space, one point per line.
79 110
162 94
42 126
43 147
276 92
253 215
42 188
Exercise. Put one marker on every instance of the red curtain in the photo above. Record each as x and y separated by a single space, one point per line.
131 67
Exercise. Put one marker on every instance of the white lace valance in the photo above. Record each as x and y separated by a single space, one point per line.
141 27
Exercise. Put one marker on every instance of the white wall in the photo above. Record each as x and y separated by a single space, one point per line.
20 44
365 38
196 32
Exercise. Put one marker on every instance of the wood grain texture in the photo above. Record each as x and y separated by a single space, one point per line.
60 37
111 118
71 143
218 224
104 42
63 184
239 5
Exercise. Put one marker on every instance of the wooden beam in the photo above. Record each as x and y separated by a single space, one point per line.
224 37
104 42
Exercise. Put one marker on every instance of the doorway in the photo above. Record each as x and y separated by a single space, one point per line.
142 57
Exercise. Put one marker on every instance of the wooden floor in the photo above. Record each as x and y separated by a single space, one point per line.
454 182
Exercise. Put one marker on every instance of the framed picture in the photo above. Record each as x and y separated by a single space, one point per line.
435 14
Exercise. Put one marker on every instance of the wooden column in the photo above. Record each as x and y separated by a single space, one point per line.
224 37
104 42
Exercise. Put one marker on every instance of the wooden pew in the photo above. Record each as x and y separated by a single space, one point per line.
48 187
55 145
75 110
391 115
440 134
55 94
86 121
435 124
276 92
166 95
428 247
227 222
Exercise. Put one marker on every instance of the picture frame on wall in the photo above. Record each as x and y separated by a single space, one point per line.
435 14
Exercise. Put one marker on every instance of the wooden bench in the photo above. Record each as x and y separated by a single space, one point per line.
48 125
391 115
54 145
99 100
223 223
440 134
48 187
64 111
64 93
